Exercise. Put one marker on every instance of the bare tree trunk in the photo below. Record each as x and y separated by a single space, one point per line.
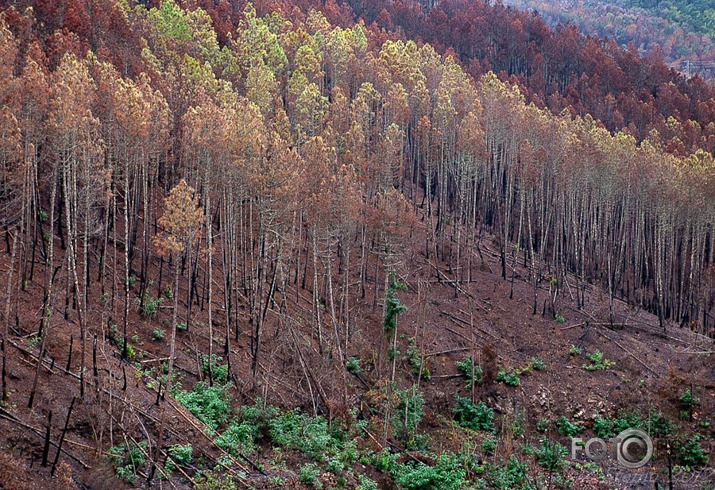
209 251
6 324
125 319
70 206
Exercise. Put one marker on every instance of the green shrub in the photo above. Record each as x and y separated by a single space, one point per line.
353 365
158 334
409 413
182 326
33 341
179 455
393 307
219 372
537 364
473 372
567 428
511 476
366 483
559 319
335 466
691 453
114 335
384 460
489 445
550 456
508 378
128 460
130 351
211 480
597 362
238 437
247 427
575 351
603 427
151 305
542 425
311 436
447 473
392 353
414 359
606 427
687 400
476 417
517 424
627 419
211 405
309 474
419 442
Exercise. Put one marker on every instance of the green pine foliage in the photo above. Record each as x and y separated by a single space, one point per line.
393 307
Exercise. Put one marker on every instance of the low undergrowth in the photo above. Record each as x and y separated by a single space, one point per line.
385 441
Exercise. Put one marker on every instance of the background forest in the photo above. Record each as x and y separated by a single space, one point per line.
237 233
683 31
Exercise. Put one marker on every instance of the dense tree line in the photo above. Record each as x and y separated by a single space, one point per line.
297 157
556 68
561 69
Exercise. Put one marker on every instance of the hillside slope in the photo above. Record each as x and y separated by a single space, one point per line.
650 372
274 251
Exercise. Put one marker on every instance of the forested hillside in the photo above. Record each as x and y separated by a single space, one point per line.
683 31
562 69
260 245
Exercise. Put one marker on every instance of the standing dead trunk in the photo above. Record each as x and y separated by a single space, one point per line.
6 324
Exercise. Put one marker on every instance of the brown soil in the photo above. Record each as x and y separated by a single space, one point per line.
652 369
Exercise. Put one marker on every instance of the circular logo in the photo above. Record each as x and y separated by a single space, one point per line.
634 448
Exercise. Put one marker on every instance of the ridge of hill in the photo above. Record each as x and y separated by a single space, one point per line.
682 31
